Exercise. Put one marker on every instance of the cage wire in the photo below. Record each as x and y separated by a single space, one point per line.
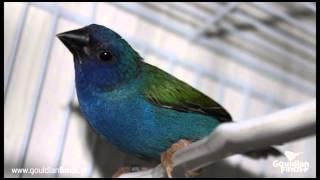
254 58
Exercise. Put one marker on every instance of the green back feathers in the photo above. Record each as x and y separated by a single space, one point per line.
164 90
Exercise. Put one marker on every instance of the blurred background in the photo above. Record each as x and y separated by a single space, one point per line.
253 58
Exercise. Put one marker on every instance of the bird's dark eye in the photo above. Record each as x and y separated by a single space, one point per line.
105 56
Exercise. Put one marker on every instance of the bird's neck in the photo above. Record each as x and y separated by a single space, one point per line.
91 82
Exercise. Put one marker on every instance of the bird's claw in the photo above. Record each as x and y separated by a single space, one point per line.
127 169
166 157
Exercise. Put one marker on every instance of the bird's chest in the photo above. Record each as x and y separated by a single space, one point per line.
121 116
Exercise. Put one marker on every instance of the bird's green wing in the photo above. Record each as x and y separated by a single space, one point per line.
162 89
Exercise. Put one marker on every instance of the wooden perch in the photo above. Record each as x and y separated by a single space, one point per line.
234 138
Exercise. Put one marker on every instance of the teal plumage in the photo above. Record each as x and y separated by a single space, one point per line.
130 119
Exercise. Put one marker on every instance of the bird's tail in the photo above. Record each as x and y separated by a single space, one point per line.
263 153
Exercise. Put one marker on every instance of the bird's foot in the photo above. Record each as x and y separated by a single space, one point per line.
128 169
193 173
166 157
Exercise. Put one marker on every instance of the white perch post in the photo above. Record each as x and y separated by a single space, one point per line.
234 138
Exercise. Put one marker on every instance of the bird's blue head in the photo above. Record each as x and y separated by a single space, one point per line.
102 58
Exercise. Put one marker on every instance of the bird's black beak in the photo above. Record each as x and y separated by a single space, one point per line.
75 40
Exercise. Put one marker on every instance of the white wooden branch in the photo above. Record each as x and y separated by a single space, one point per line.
233 138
